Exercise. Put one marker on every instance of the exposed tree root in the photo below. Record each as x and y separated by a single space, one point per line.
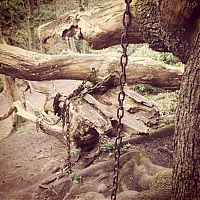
160 133
148 181
166 150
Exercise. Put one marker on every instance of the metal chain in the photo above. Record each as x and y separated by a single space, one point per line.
121 96
63 112
76 93
81 91
65 116
66 133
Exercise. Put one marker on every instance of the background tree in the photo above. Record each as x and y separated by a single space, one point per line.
31 24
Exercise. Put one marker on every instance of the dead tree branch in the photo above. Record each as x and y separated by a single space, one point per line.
34 66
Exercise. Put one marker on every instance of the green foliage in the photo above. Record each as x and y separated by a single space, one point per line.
144 51
12 14
47 13
165 101
145 89
126 148
166 122
77 178
107 147
74 151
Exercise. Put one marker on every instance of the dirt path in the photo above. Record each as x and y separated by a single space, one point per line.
6 125
26 158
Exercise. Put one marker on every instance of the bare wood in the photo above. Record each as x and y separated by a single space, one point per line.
34 66
19 109
139 98
130 123
97 26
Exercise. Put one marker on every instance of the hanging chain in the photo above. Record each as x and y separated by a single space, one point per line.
65 116
121 96
66 133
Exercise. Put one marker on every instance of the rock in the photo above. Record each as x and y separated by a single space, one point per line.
102 188
92 196
127 195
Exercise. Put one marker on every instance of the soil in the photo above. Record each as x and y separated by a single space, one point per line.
28 157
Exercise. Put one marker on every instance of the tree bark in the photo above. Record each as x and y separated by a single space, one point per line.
34 66
31 32
186 175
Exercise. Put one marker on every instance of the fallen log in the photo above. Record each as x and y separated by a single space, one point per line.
94 26
28 65
156 23
137 107
95 115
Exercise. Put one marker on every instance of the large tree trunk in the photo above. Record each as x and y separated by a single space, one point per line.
34 66
186 176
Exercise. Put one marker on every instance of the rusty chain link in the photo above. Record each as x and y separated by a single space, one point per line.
121 96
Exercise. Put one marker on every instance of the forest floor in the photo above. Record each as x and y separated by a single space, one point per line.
28 157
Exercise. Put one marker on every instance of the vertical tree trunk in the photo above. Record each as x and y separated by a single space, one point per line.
186 175
12 93
38 13
32 44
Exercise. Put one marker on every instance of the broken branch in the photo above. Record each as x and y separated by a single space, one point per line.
34 66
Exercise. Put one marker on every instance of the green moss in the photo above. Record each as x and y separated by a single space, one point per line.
161 179
166 122
77 178
107 147
166 101
27 127
144 51
145 89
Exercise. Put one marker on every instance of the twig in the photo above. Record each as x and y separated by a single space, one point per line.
49 181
